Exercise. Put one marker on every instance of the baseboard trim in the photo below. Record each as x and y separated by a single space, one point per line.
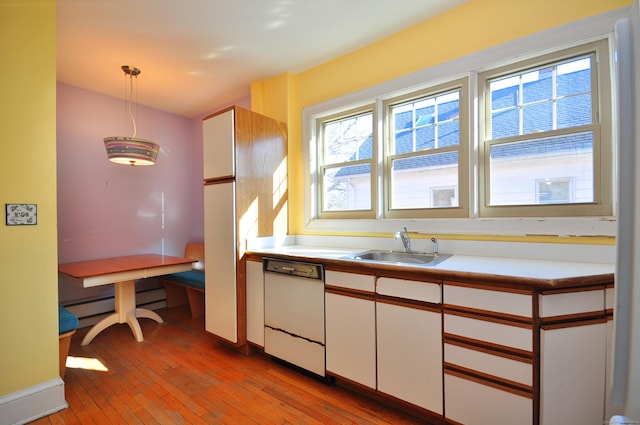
33 403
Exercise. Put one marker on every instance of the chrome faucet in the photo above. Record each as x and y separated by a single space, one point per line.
404 237
435 245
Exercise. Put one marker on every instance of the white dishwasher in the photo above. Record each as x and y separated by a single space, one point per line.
294 313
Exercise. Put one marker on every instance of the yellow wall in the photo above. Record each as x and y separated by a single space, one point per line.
476 25
28 254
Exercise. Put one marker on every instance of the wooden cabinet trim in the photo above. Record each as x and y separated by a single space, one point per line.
220 112
412 278
489 380
489 316
571 321
403 302
512 290
504 351
348 270
348 292
572 290
253 257
342 266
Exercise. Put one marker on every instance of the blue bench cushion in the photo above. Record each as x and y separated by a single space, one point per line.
193 278
67 321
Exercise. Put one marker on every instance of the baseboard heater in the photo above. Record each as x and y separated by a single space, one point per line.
91 311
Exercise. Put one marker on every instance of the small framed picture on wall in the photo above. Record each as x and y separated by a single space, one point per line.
22 214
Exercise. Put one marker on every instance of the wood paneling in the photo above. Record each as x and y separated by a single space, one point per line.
261 173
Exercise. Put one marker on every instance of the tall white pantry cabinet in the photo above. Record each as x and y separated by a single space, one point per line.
245 189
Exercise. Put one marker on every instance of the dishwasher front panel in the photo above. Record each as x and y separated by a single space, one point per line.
294 305
297 351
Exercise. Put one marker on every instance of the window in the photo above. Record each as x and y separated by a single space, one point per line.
529 139
444 197
347 161
546 124
426 150
556 191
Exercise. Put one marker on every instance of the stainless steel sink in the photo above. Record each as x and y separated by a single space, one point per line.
399 257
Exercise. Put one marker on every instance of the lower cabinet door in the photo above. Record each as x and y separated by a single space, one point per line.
473 403
410 355
573 370
351 338
221 296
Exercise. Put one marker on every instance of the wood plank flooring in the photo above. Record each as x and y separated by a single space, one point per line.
180 375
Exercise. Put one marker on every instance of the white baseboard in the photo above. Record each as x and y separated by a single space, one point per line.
32 403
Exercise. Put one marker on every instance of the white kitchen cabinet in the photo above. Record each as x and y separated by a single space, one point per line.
350 318
220 257
572 374
409 342
244 157
482 386
489 354
573 355
255 303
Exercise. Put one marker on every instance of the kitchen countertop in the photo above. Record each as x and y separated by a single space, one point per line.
518 272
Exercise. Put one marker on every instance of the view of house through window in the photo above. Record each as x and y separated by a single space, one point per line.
423 151
544 116
347 163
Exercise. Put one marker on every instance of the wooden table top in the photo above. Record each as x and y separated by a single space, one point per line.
105 266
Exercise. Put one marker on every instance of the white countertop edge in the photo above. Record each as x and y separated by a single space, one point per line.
532 268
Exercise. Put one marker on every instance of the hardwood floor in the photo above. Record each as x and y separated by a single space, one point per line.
180 375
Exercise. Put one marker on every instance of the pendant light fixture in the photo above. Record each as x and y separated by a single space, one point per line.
131 150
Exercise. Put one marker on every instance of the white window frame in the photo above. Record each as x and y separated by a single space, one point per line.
351 213
462 209
590 29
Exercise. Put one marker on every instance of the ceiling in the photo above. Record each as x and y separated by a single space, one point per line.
197 55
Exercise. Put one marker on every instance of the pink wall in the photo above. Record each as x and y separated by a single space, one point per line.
107 209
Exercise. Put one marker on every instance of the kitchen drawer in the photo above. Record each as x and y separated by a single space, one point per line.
409 289
492 364
519 337
361 282
575 302
473 403
508 301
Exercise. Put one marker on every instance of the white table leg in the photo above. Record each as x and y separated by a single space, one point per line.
133 323
112 319
148 314
126 312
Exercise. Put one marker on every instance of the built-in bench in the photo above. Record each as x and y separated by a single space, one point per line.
188 286
67 325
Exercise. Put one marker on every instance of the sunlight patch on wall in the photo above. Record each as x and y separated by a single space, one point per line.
248 225
281 223
280 182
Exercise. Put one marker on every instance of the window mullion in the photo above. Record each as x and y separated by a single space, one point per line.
554 97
